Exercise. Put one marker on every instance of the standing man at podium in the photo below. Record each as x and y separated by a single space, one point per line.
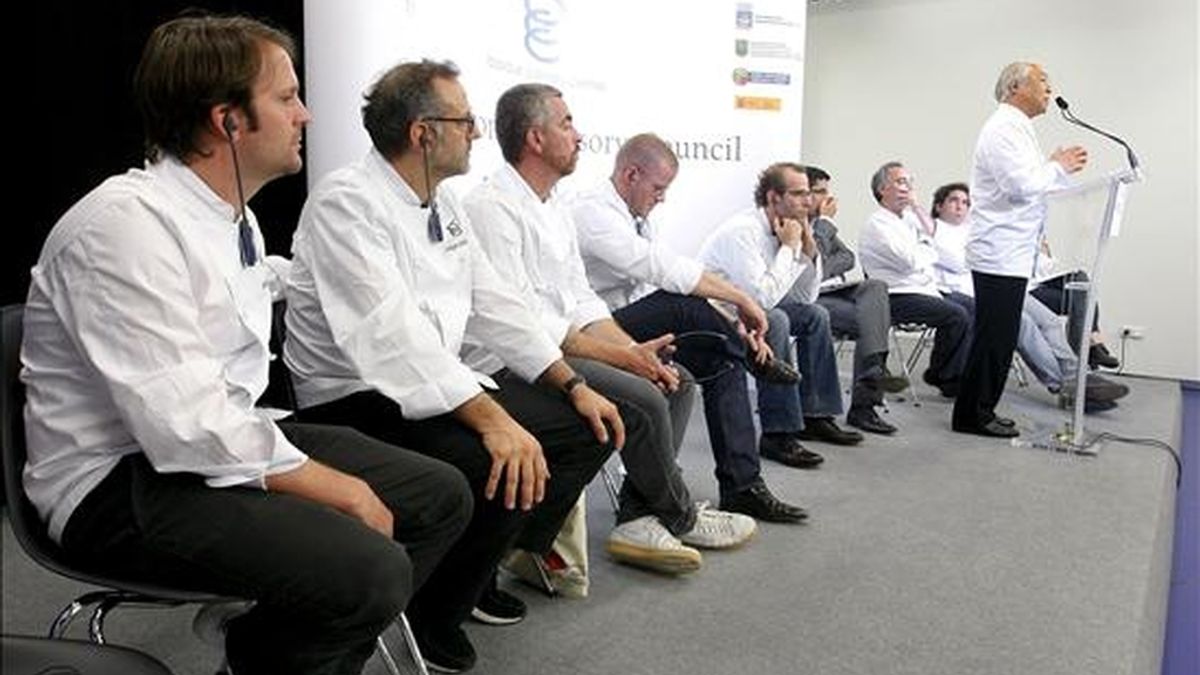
1009 182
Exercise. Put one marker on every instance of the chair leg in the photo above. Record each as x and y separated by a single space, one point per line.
612 486
63 621
96 625
410 642
386 656
905 368
1019 372
544 574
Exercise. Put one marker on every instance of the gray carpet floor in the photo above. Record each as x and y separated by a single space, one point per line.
928 552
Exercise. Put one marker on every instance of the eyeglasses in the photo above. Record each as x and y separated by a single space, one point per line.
469 120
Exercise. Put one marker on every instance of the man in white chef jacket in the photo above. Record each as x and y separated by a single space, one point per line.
1010 178
530 235
145 349
652 290
387 281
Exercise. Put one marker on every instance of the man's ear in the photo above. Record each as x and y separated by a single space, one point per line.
421 135
223 119
533 139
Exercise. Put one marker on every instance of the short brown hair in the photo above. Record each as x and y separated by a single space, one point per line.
189 65
771 180
401 96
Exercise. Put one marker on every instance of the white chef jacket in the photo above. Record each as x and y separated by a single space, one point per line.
1010 178
745 251
950 242
144 333
374 304
533 244
623 266
897 251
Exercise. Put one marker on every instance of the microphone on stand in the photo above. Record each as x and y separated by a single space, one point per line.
1068 116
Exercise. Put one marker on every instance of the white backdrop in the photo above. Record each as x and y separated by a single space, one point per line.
722 80
912 80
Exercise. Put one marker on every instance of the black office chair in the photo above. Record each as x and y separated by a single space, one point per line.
23 655
31 532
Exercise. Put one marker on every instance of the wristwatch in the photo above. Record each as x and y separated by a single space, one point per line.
574 381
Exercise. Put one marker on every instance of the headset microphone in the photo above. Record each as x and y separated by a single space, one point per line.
249 252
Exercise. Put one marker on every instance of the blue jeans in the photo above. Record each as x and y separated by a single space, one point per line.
720 364
782 407
1042 343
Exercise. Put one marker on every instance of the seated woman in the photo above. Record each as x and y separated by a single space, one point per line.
1042 341
1050 289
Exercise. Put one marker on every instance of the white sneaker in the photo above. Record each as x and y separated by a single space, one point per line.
644 542
719 529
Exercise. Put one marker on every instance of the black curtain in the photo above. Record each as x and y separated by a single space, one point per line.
74 113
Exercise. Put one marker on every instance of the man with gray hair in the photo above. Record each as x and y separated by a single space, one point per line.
529 234
896 247
1010 177
388 281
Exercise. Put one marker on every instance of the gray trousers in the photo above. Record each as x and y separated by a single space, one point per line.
863 314
654 482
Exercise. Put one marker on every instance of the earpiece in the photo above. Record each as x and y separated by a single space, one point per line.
228 123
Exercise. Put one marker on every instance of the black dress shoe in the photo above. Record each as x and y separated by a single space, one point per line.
445 650
868 420
825 429
757 502
993 428
498 608
1004 421
892 383
1100 357
1103 389
785 449
948 388
773 370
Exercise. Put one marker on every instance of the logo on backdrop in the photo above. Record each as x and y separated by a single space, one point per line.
541 21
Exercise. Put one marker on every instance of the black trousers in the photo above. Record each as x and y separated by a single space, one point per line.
998 302
1054 294
951 342
572 452
325 584
719 364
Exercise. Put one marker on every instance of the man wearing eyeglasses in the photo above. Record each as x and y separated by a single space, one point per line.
528 232
388 280
896 247
769 252
858 308
146 349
